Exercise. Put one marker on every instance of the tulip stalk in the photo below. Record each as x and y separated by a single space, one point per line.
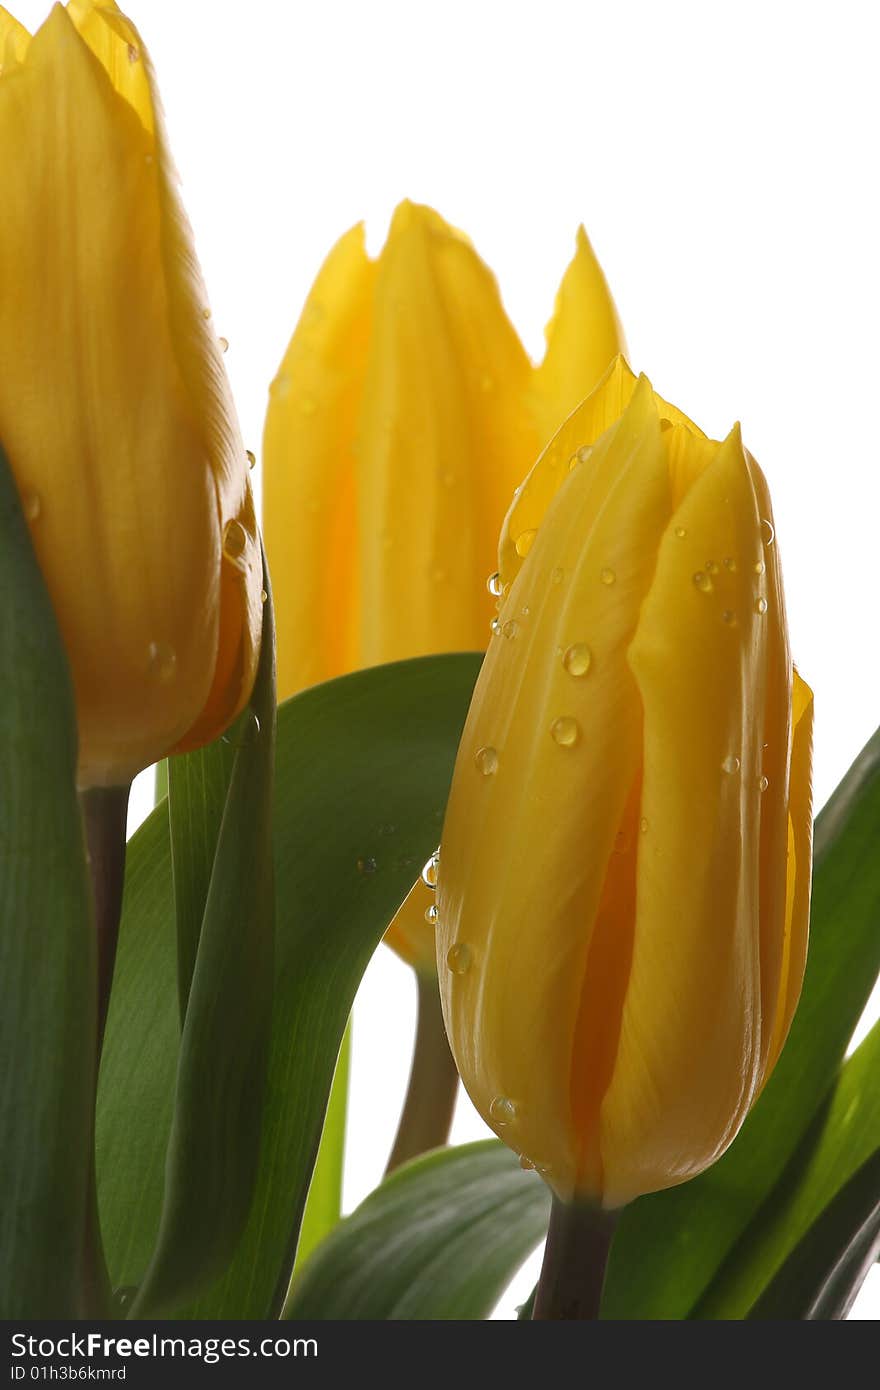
104 812
575 1260
433 1083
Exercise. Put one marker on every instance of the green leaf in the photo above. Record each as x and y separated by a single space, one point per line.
670 1246
362 775
324 1202
441 1238
795 1256
214 1146
47 954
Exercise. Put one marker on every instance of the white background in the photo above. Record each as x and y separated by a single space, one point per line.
723 158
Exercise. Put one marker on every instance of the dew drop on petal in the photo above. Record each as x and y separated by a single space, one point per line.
223 344
730 764
486 760
558 575
133 54
710 567
584 452
235 540
565 731
643 825
263 596
251 458
730 563
768 532
729 617
761 605
494 627
206 313
431 871
162 662
759 567
524 542
608 577
494 584
526 1164
577 659
459 958
502 1111
680 532
763 783
510 629
703 582
431 914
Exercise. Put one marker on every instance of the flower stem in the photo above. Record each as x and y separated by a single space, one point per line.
433 1082
104 814
104 811
575 1259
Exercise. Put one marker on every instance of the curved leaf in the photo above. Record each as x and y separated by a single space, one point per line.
441 1238
669 1246
363 768
47 956
324 1203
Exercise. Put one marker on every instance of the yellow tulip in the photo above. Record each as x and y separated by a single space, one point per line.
625 864
115 411
401 418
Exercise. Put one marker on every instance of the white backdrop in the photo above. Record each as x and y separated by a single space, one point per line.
723 159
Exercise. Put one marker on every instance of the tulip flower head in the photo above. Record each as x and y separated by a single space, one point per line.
403 415
115 410
625 866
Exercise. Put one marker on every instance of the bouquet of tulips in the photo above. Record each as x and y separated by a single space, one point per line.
531 635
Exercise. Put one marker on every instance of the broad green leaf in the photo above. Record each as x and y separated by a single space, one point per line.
441 1238
841 1146
362 774
214 1145
47 958
324 1202
669 1246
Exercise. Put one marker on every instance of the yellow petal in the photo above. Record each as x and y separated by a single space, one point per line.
116 414
310 490
545 748
689 1057
583 338
410 934
116 44
14 41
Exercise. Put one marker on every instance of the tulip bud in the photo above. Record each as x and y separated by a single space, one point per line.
625 865
403 415
115 411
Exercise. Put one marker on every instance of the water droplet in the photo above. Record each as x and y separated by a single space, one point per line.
681 532
643 825
730 764
162 661
608 577
584 452
759 567
526 1164
769 534
223 344
558 575
431 870
760 605
510 629
366 865
730 564
206 313
502 1111
524 542
251 458
244 733
525 610
31 505
486 760
710 567
263 596
235 540
431 914
763 783
573 463
494 627
133 54
494 584
565 731
459 958
703 582
729 617
577 659
308 405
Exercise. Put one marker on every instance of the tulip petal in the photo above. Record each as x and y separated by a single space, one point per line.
583 337
515 903
115 410
309 463
14 41
116 44
689 1057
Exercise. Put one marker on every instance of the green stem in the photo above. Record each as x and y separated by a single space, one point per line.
104 811
433 1082
575 1259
